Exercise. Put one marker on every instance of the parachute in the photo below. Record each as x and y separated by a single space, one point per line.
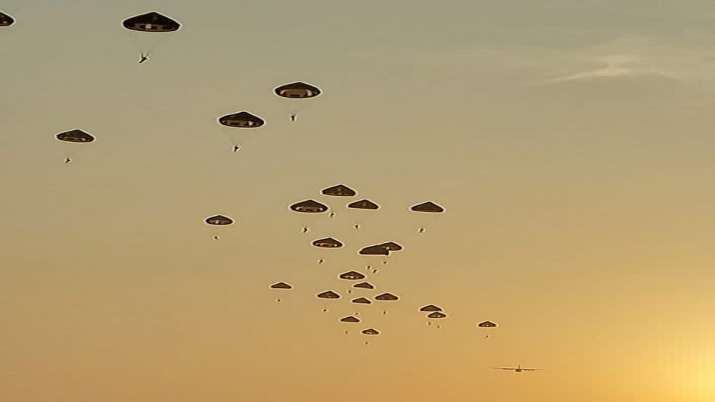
296 90
239 120
328 242
6 20
309 206
349 319
487 324
361 300
391 246
281 285
430 308
150 23
386 297
70 138
371 331
328 295
363 204
219 220
362 211
436 314
426 207
374 250
352 276
363 285
340 190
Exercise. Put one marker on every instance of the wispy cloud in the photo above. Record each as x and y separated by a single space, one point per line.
617 66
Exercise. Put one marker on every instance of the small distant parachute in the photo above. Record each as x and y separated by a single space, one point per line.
374 250
350 319
6 20
219 220
328 295
151 22
328 242
352 276
340 190
363 204
391 246
386 297
371 331
428 206
309 206
487 324
297 90
281 285
436 314
363 285
430 308
75 136
241 120
361 300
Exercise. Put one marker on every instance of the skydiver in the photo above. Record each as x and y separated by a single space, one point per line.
332 214
320 261
292 117
67 160
422 230
143 58
357 227
236 148
215 237
305 229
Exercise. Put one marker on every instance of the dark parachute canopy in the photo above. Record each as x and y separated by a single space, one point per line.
363 285
428 206
328 242
362 300
352 276
309 206
430 308
391 246
219 220
386 297
437 314
328 295
350 319
363 204
75 136
375 250
487 324
151 22
297 90
6 20
241 120
281 285
371 331
340 190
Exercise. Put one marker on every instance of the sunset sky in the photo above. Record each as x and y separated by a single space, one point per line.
571 142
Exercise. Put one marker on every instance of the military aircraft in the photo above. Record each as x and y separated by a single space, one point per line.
516 369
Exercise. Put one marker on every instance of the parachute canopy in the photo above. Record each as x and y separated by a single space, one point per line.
375 250
242 120
437 314
352 276
487 324
329 295
75 136
6 20
362 300
431 307
297 90
363 285
391 246
151 22
371 331
363 204
340 190
281 285
386 297
350 319
309 206
219 220
328 242
428 206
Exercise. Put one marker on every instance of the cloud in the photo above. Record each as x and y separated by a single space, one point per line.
617 66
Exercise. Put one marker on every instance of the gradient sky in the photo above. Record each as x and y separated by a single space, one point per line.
571 143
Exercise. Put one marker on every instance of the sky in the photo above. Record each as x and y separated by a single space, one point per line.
569 142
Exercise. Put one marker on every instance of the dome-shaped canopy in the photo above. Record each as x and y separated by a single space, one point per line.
391 246
75 136
151 22
352 276
487 324
219 220
428 206
340 190
430 308
386 297
329 295
6 20
363 204
371 331
297 90
241 120
363 285
350 319
309 206
328 242
375 250
281 285
362 300
437 314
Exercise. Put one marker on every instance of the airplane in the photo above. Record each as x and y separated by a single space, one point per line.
516 369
